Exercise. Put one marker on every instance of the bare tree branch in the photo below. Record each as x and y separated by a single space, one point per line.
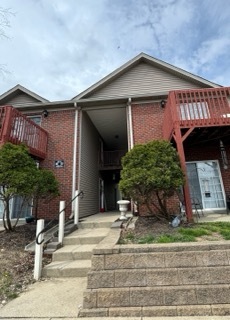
5 15
5 21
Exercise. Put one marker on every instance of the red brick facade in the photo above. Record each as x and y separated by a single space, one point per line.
60 127
147 122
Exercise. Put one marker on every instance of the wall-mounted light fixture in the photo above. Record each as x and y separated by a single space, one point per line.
45 113
223 155
163 103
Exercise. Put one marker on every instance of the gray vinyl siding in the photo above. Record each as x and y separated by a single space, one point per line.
142 79
89 173
21 98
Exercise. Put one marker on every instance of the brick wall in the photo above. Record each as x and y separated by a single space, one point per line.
147 122
147 126
60 127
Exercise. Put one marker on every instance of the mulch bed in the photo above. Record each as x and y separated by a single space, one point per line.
149 225
16 265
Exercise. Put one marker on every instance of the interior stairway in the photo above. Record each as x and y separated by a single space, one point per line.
73 259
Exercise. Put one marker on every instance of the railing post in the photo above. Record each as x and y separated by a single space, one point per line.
38 250
61 222
76 208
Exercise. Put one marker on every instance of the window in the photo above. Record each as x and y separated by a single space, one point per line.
194 110
1 209
15 207
36 119
205 183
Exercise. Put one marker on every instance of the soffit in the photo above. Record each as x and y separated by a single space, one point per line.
111 125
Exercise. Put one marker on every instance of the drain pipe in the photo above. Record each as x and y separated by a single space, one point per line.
130 123
131 142
74 159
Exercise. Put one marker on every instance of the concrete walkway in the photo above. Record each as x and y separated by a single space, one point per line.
61 298
54 297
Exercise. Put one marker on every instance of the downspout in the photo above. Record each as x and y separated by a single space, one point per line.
130 124
131 144
74 159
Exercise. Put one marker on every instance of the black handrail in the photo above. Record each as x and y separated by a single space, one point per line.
81 193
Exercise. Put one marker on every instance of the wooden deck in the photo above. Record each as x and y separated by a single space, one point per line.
190 115
17 128
196 108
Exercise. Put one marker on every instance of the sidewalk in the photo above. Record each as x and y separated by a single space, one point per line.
47 299
61 298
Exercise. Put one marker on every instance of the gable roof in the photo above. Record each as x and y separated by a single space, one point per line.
17 90
142 57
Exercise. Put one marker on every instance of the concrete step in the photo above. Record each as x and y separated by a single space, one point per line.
76 268
86 236
160 311
74 252
74 258
157 296
94 225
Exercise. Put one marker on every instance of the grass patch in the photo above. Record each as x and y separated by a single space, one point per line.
7 287
147 239
210 231
194 232
175 238
225 234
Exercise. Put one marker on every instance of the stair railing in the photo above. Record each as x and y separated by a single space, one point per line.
79 194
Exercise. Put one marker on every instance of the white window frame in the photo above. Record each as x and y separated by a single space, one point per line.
12 207
36 117
221 183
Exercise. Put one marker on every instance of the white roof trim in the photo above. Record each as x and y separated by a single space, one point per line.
148 59
23 89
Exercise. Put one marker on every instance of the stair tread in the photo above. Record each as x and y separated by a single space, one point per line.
76 248
89 232
69 264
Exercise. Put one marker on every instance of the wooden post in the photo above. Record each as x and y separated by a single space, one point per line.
187 199
180 149
38 250
61 222
76 211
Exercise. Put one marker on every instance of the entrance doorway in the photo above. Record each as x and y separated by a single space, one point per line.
206 184
111 190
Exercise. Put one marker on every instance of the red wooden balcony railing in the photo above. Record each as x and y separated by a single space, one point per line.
196 108
17 128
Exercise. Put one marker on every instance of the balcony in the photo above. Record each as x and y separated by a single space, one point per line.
17 128
196 117
198 108
111 160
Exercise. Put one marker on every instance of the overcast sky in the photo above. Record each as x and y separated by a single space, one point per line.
58 48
